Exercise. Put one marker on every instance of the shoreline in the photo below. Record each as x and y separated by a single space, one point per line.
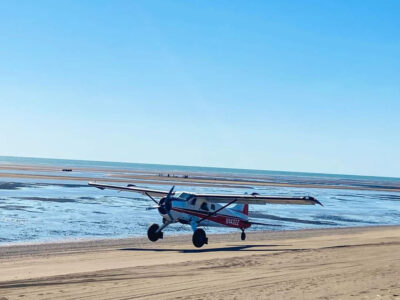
183 178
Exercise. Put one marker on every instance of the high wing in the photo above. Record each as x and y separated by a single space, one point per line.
217 198
257 199
130 188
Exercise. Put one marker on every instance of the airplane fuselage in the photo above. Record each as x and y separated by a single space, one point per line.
186 209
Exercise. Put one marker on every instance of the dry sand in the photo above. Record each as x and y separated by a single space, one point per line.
350 263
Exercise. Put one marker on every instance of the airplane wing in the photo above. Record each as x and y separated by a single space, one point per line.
257 199
252 199
130 188
217 198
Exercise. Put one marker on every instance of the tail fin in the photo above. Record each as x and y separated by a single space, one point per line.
242 208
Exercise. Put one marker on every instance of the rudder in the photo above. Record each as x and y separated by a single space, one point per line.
242 208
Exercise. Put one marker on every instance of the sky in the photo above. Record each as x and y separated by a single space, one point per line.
311 86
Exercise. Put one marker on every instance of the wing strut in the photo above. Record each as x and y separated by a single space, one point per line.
147 194
219 209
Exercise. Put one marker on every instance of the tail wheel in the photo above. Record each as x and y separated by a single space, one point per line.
152 233
243 236
199 238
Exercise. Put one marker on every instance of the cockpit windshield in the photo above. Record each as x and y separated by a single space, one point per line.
185 196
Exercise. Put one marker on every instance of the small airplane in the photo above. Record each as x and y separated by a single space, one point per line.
199 210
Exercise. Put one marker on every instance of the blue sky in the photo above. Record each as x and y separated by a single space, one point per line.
278 85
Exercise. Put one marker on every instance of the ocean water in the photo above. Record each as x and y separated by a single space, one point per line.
48 209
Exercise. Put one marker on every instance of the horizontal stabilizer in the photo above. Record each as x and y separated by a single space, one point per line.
264 224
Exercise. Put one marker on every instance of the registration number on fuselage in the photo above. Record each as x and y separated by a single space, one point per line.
231 221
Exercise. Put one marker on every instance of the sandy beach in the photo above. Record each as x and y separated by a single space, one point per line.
348 263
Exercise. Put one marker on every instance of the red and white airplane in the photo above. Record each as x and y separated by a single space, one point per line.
199 210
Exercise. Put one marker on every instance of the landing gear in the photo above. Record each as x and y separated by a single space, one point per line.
153 233
243 235
199 238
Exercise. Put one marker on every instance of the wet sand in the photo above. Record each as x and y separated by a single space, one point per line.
347 263
140 177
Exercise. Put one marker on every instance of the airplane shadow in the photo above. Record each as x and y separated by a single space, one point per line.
220 249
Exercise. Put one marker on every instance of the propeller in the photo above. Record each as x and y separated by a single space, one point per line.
170 192
164 205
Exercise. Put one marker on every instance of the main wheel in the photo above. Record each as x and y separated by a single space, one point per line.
152 233
199 238
243 236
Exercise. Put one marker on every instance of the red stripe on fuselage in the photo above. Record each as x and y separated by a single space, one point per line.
229 221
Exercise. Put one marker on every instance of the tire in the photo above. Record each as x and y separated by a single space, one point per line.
152 233
243 236
199 238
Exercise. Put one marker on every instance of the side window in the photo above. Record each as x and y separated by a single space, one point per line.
204 206
212 207
193 201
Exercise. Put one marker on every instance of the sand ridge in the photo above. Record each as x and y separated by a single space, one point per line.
140 177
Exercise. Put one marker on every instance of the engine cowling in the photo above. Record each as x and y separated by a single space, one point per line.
165 206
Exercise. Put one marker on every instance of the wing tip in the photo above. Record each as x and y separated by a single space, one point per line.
317 202
314 200
96 185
